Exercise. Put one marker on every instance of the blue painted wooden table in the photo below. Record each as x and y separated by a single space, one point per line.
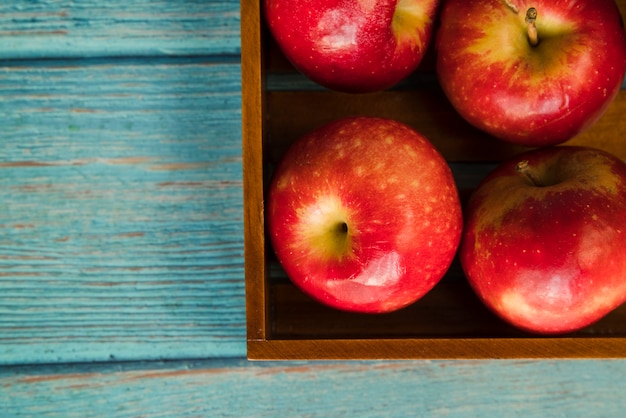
121 243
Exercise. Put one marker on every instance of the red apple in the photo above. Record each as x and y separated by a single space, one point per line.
364 214
353 46
534 73
544 244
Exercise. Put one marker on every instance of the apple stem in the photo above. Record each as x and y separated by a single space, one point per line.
523 167
531 17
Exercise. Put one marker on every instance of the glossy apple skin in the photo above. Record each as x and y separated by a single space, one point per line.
353 46
534 96
549 259
397 197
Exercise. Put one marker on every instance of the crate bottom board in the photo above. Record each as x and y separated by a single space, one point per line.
438 349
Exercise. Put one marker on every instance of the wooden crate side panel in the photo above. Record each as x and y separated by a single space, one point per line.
254 163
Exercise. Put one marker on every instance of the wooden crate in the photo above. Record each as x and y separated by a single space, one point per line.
450 322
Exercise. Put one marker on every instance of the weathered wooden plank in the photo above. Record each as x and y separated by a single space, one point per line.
120 210
91 28
324 389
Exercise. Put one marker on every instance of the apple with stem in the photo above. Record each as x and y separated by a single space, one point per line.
544 244
364 215
354 46
534 73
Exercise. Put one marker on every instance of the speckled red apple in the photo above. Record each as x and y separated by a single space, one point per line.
354 46
364 214
534 73
544 244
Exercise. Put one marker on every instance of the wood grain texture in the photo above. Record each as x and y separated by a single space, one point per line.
322 389
253 110
120 210
114 28
121 238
